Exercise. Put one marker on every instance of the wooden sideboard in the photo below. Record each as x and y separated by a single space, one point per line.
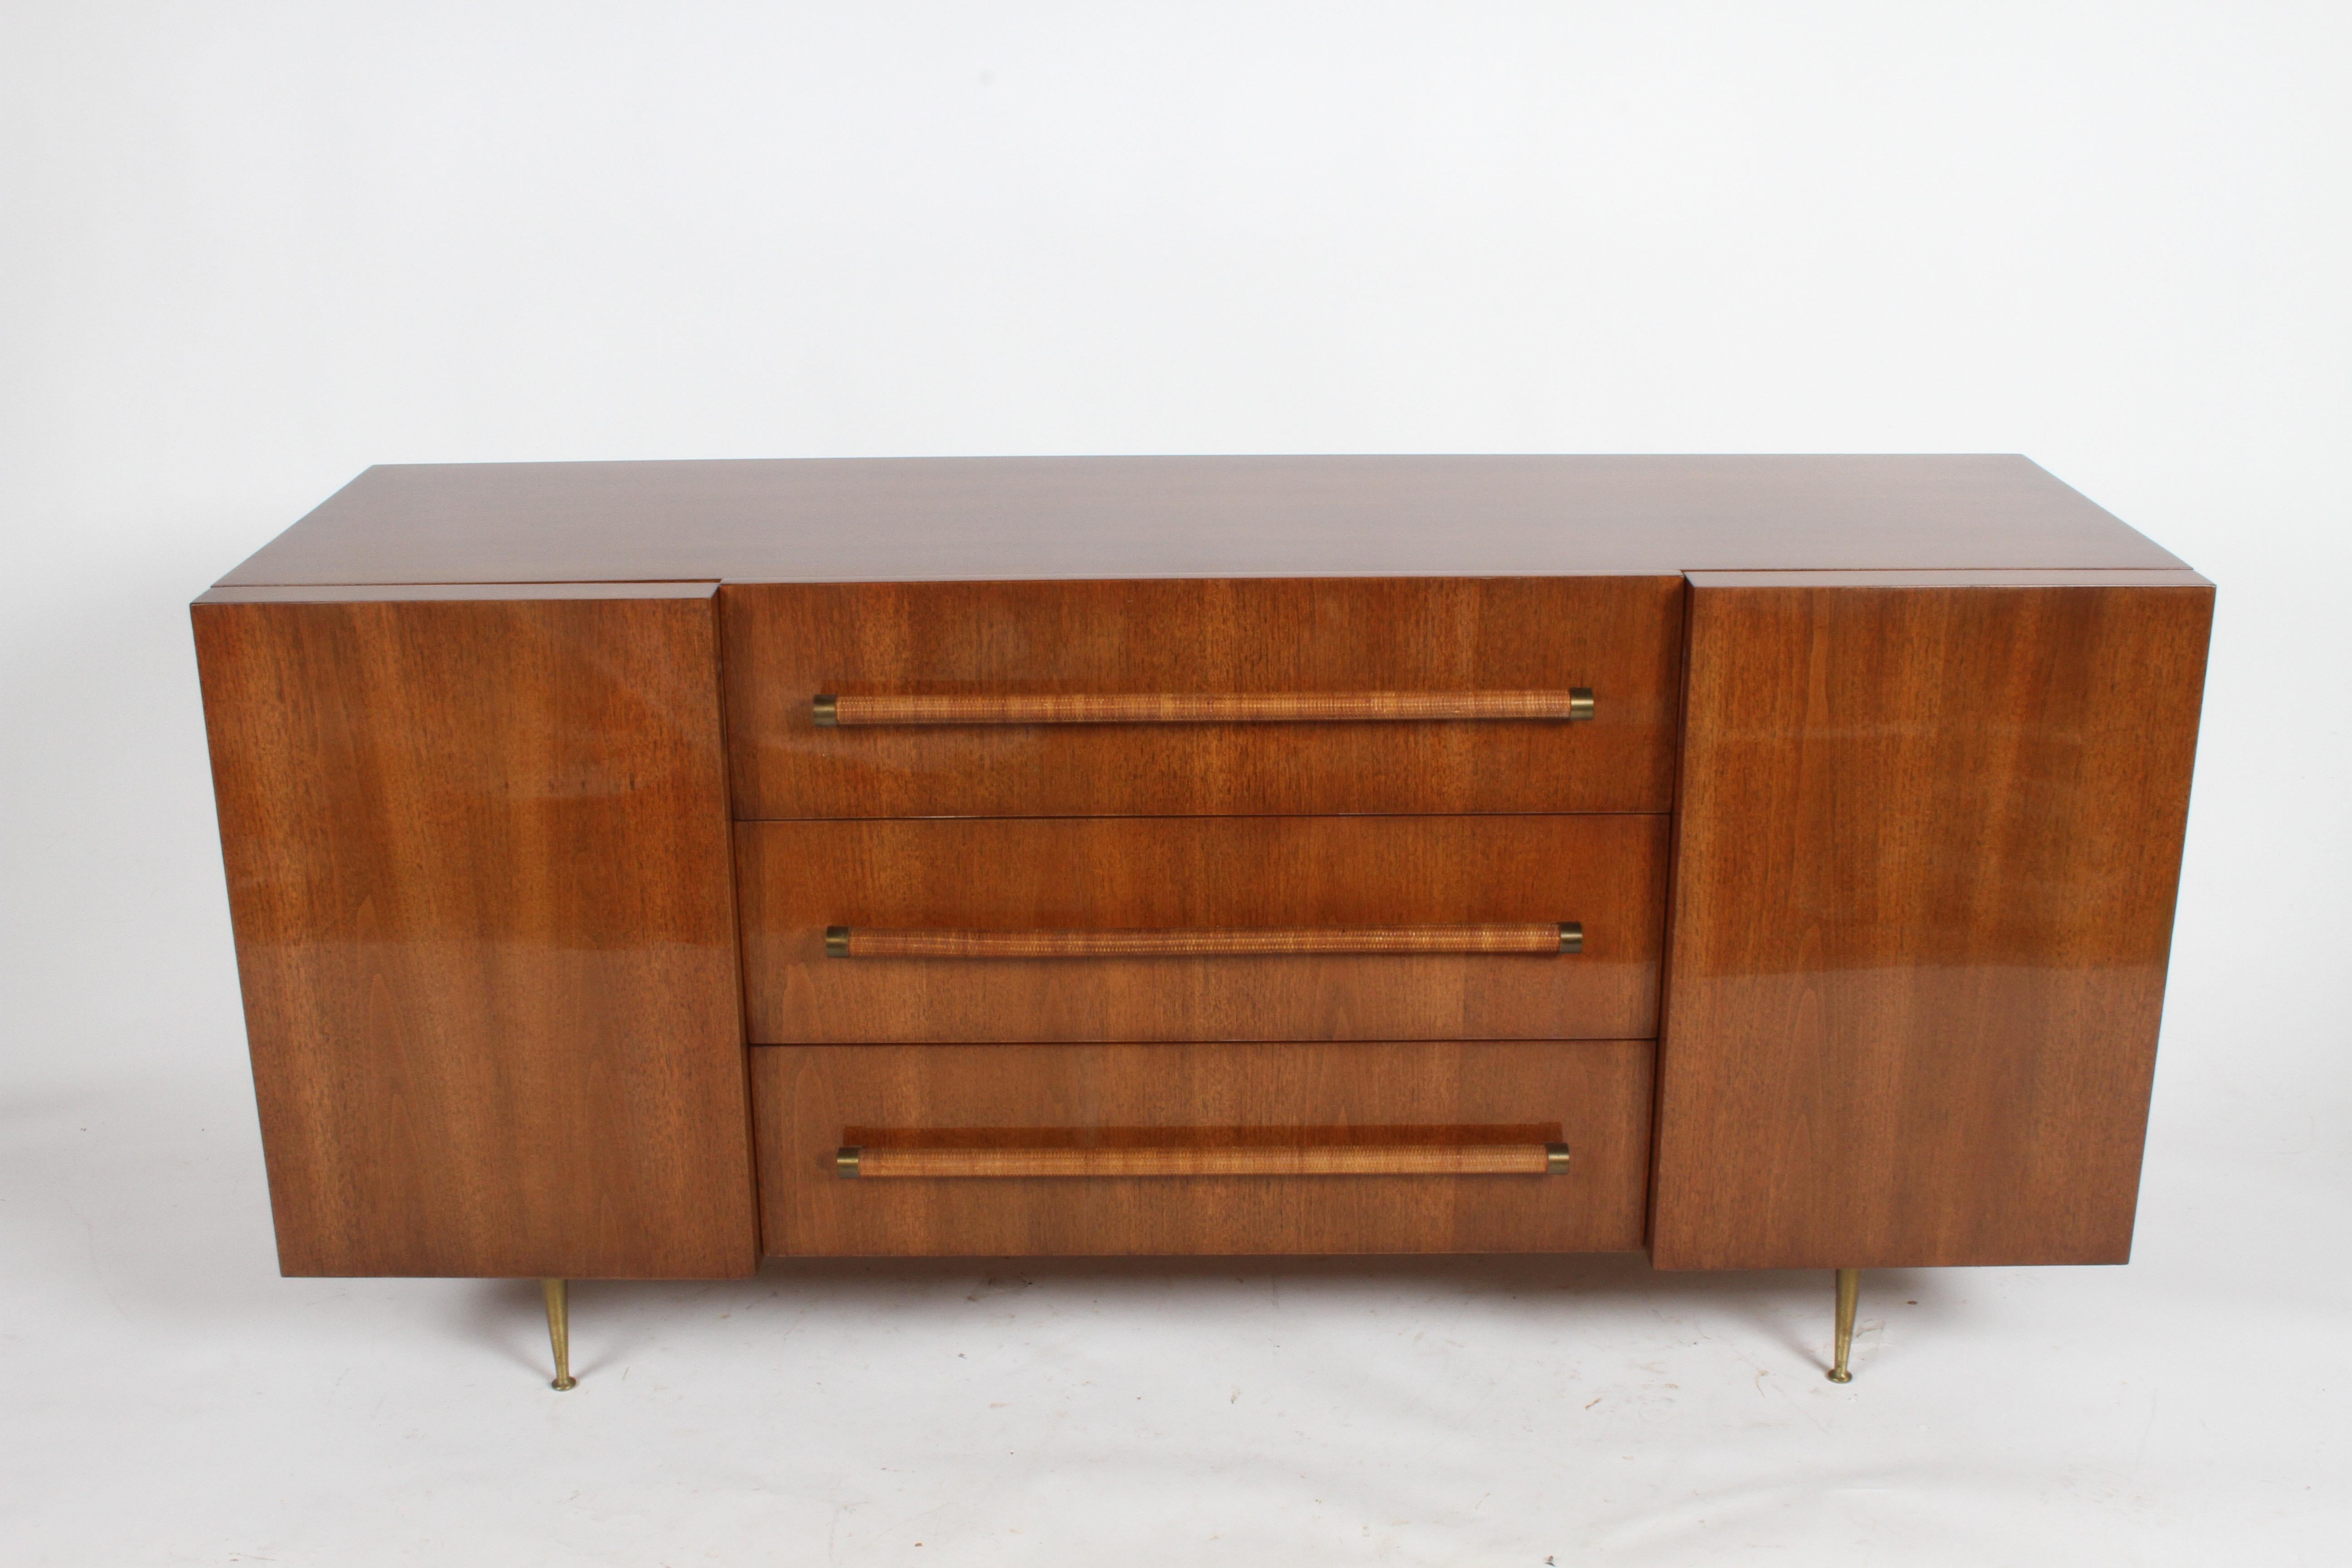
1761 862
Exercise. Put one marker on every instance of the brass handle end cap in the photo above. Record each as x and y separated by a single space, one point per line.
824 713
836 941
844 1160
1571 936
1555 1159
1579 703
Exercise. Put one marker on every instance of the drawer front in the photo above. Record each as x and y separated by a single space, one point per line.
1485 892
1206 649
1232 1106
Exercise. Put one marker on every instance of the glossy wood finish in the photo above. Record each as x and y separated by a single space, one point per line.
1594 1095
479 869
467 728
1304 1157
1619 635
976 519
864 941
1210 708
1929 842
798 877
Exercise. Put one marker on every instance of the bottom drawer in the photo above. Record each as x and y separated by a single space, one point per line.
1209 1149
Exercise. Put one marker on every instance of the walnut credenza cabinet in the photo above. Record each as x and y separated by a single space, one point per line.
1761 862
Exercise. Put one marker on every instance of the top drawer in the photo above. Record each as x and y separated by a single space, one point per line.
1268 639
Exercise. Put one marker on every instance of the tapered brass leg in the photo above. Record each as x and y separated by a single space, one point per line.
1849 1291
559 1330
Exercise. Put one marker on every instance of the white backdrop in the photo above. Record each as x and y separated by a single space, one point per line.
251 249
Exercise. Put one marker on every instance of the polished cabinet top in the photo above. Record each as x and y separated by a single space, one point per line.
981 518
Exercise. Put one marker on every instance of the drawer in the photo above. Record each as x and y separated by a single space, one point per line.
1449 1114
1192 692
1238 928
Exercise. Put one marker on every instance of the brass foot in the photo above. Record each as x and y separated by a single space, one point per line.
559 1330
1849 1290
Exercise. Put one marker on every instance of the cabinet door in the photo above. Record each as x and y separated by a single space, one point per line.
1928 840
477 842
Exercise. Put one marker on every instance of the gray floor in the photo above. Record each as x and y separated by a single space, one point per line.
169 1399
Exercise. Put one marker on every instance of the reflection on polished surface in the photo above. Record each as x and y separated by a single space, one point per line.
1929 842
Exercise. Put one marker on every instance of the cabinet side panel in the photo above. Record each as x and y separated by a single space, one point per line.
1929 845
478 866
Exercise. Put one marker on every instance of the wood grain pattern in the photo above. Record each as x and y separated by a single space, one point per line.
864 941
796 879
1064 519
1328 639
1928 842
467 742
1593 1095
479 869
1208 708
1160 1161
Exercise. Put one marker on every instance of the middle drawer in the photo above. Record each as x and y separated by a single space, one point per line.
1423 894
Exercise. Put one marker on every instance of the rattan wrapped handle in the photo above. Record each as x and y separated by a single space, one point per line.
868 1163
868 942
1230 707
